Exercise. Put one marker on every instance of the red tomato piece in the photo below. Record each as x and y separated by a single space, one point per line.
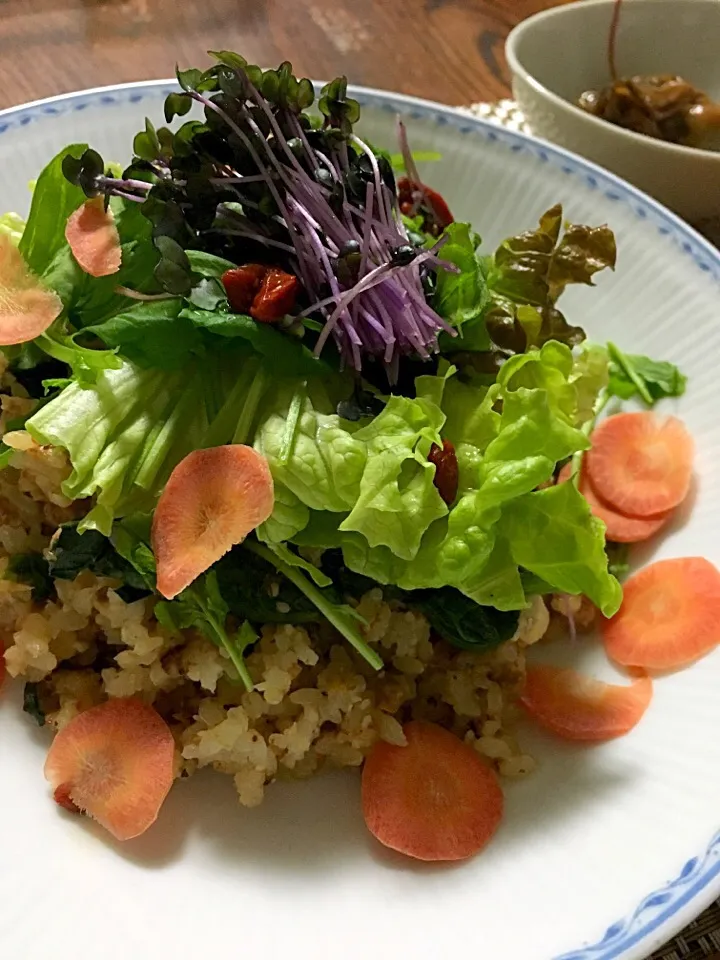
276 296
241 285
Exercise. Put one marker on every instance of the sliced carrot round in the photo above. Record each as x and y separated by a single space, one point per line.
27 308
577 707
670 615
619 528
93 238
639 464
434 799
212 501
114 762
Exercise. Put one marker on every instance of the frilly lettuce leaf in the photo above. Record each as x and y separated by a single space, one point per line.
553 534
508 438
535 267
589 377
516 289
397 499
461 297
126 432
327 460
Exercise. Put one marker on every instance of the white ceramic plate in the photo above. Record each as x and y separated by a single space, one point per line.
604 853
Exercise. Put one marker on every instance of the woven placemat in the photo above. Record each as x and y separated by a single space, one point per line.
701 939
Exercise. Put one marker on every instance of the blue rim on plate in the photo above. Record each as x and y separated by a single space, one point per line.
699 878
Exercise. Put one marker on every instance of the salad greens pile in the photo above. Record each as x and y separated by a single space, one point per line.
401 342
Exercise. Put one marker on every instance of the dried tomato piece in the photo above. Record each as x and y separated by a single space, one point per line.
440 215
276 296
446 470
242 284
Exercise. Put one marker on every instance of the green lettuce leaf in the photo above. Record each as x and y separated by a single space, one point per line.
553 534
509 439
153 334
397 499
327 460
54 199
12 225
125 433
460 297
590 376
529 272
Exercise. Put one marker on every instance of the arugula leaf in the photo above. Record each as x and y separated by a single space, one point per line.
292 559
343 618
634 375
32 568
54 199
202 606
254 591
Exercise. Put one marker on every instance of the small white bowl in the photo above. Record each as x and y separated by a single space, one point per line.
555 55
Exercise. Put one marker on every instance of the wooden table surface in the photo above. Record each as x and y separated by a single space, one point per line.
447 50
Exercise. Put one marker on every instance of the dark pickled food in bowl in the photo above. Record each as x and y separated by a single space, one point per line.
664 106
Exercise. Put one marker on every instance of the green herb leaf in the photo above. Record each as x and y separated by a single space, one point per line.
343 618
202 605
634 375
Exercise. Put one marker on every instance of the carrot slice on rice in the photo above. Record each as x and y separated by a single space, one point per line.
114 762
212 501
670 615
639 464
27 308
434 799
93 238
577 707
